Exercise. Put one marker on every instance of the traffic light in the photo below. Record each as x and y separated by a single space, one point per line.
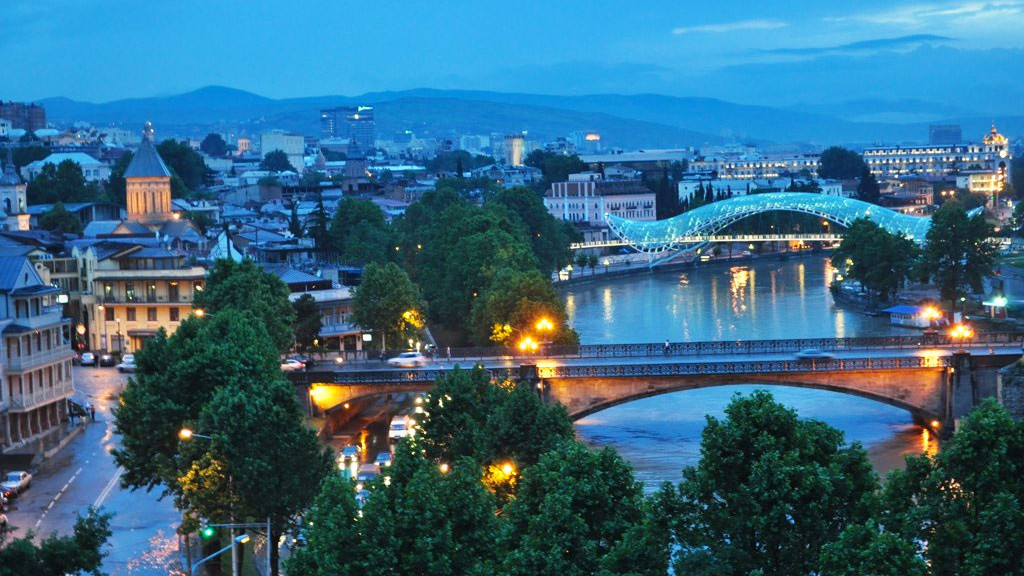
206 531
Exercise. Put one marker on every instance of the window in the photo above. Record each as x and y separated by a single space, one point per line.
108 314
172 292
174 314
129 291
151 314
108 292
151 292
131 314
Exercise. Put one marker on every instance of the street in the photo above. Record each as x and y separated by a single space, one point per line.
83 474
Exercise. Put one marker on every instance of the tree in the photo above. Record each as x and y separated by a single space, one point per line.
276 161
554 166
510 308
334 542
840 164
202 220
58 555
214 145
294 224
960 506
388 303
869 549
318 224
769 492
63 182
359 233
58 219
867 187
549 237
245 286
25 155
570 511
307 321
117 187
958 255
184 162
875 257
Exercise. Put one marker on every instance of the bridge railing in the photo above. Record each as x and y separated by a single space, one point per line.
719 347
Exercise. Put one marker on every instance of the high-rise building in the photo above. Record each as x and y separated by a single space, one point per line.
945 134
514 144
353 122
23 116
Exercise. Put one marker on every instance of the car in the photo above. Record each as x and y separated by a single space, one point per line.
367 472
107 360
307 360
408 359
17 481
813 354
383 459
292 365
362 496
399 428
127 363
350 454
88 359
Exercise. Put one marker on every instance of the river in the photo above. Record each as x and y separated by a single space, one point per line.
759 299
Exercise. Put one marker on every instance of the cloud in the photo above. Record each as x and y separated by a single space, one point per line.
866 45
923 14
731 27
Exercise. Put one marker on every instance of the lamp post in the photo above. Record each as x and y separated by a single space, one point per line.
120 342
102 317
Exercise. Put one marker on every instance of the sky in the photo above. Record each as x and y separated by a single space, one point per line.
747 51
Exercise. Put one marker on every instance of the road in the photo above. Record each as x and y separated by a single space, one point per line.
83 474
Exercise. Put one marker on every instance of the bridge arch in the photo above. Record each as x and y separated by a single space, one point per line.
664 235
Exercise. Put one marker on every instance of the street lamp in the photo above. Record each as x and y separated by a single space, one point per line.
188 434
243 539
102 317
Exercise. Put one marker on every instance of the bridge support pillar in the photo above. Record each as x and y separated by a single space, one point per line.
528 376
961 393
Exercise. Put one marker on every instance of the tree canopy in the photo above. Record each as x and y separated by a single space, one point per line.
63 182
958 255
868 189
307 321
840 163
58 555
276 161
389 304
246 286
554 166
359 233
875 257
214 145
58 219
184 162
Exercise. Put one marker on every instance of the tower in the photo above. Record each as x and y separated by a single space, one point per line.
12 196
514 149
148 183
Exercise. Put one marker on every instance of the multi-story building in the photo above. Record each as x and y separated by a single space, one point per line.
132 290
755 167
992 154
94 170
586 198
36 357
293 145
353 122
23 116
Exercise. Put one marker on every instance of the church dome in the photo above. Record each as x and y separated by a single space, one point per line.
994 137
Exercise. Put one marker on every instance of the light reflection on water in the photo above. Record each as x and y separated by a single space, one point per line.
661 435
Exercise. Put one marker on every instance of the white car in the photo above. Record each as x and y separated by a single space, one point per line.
17 482
292 365
127 363
88 359
408 359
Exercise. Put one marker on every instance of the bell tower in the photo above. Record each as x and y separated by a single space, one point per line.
148 183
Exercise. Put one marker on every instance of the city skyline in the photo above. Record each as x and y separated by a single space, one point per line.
736 51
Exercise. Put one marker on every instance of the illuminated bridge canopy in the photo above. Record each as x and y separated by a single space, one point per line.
663 235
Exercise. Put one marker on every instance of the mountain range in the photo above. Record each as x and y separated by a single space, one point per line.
625 121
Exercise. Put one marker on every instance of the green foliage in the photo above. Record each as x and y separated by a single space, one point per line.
214 145
59 555
61 183
555 167
25 155
769 492
245 286
957 254
868 550
511 307
58 219
334 546
184 162
313 178
880 260
202 220
388 303
965 502
117 188
276 161
307 321
867 187
549 237
359 233
840 164
450 161
294 224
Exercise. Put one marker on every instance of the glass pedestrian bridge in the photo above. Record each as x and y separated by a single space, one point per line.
664 235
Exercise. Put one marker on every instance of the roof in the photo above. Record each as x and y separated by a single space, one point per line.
291 275
904 309
10 267
147 163
80 158
152 253
98 227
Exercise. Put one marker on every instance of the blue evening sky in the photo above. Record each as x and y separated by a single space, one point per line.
100 50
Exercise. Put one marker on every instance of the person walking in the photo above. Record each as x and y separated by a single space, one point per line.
92 412
448 349
666 346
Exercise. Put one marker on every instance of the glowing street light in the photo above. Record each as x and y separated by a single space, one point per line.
188 434
528 344
545 325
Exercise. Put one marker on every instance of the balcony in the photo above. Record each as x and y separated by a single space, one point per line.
193 273
26 402
26 362
51 316
158 299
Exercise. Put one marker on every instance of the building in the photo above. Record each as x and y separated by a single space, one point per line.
355 123
514 149
131 290
148 183
755 166
30 117
585 200
12 196
5 127
991 154
293 145
94 170
36 358
945 134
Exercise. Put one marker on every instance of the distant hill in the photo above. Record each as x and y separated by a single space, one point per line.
628 121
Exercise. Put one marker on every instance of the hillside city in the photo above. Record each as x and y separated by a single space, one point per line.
456 332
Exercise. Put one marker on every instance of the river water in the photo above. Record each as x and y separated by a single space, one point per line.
760 299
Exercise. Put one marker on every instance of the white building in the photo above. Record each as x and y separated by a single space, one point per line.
992 154
293 145
92 169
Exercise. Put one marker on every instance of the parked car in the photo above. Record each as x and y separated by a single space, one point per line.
399 428
127 363
813 354
292 365
17 481
408 359
383 459
107 360
307 360
367 472
88 359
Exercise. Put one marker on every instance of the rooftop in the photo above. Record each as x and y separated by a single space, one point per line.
147 162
